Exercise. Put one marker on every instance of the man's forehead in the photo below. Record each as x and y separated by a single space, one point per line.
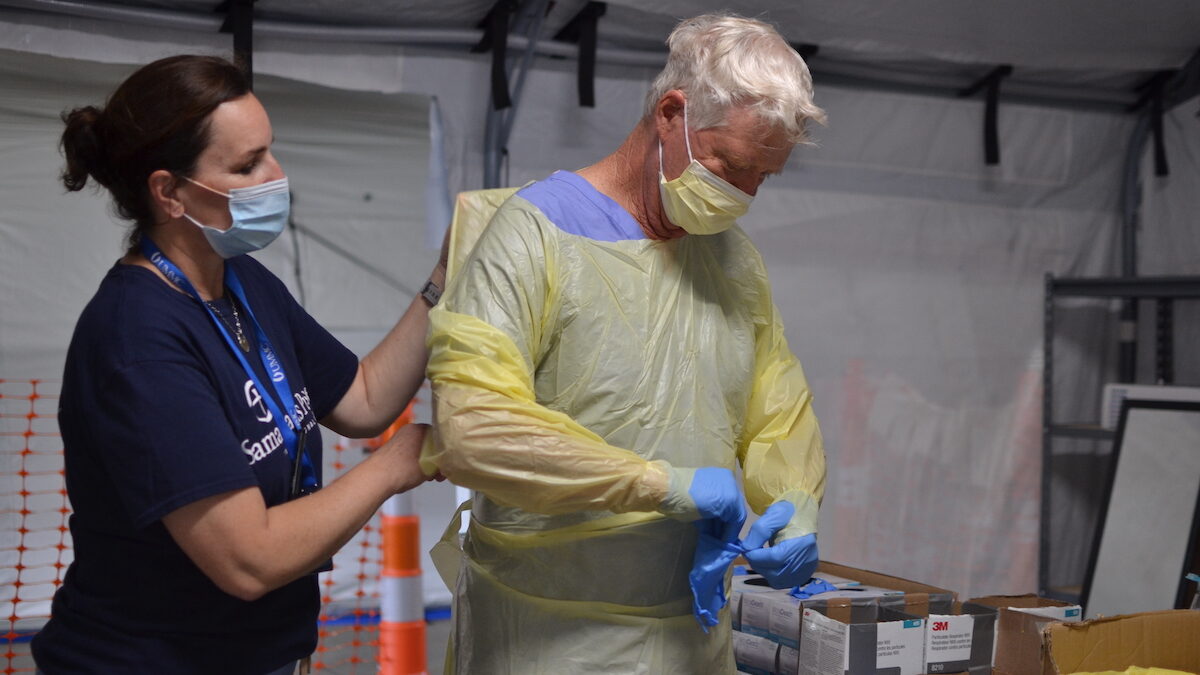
748 141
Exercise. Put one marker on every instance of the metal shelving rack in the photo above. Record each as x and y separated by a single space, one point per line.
1165 291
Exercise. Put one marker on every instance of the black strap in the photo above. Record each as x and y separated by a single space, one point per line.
495 38
991 133
587 54
582 29
1153 93
1156 125
239 20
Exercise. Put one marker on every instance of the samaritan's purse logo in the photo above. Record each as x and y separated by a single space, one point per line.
255 400
273 439
301 409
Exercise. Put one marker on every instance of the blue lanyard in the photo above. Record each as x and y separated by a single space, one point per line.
293 431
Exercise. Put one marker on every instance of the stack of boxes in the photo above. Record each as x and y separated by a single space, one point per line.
868 623
770 621
873 623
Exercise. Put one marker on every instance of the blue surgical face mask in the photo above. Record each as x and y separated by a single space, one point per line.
258 213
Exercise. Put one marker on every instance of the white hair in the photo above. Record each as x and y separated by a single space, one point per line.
723 61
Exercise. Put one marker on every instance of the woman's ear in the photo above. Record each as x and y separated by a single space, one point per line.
161 185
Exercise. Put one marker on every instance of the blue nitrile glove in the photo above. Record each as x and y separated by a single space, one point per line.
814 587
710 496
708 492
785 563
707 578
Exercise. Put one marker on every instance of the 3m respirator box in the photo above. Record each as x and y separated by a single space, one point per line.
861 641
963 642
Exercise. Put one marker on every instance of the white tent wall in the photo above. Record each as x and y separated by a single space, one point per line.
908 273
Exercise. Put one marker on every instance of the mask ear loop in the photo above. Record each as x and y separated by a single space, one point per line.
687 141
185 213
195 182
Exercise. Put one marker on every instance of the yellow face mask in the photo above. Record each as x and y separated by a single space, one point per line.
699 201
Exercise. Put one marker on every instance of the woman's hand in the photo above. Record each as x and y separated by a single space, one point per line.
402 452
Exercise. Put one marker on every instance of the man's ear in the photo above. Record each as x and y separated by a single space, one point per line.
668 112
162 185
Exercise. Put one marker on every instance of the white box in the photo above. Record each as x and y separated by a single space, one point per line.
785 613
789 661
743 586
760 618
753 654
875 639
1066 613
755 610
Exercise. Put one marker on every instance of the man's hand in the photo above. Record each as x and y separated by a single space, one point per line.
786 563
709 493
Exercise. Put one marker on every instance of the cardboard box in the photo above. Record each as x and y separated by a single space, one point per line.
918 598
1019 623
1167 639
755 655
860 640
962 642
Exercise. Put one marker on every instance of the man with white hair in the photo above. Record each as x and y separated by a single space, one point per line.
605 355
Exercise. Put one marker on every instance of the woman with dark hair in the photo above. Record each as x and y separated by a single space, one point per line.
193 387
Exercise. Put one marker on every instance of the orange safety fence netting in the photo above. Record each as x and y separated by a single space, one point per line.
35 543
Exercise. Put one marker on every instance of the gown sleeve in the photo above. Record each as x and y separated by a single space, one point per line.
490 432
781 452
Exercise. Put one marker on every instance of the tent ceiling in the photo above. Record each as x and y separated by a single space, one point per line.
1089 50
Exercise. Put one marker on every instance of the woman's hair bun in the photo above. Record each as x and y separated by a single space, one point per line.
82 146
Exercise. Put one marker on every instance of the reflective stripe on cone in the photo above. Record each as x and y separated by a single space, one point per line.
402 605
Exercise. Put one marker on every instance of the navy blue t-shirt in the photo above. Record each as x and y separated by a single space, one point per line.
156 413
